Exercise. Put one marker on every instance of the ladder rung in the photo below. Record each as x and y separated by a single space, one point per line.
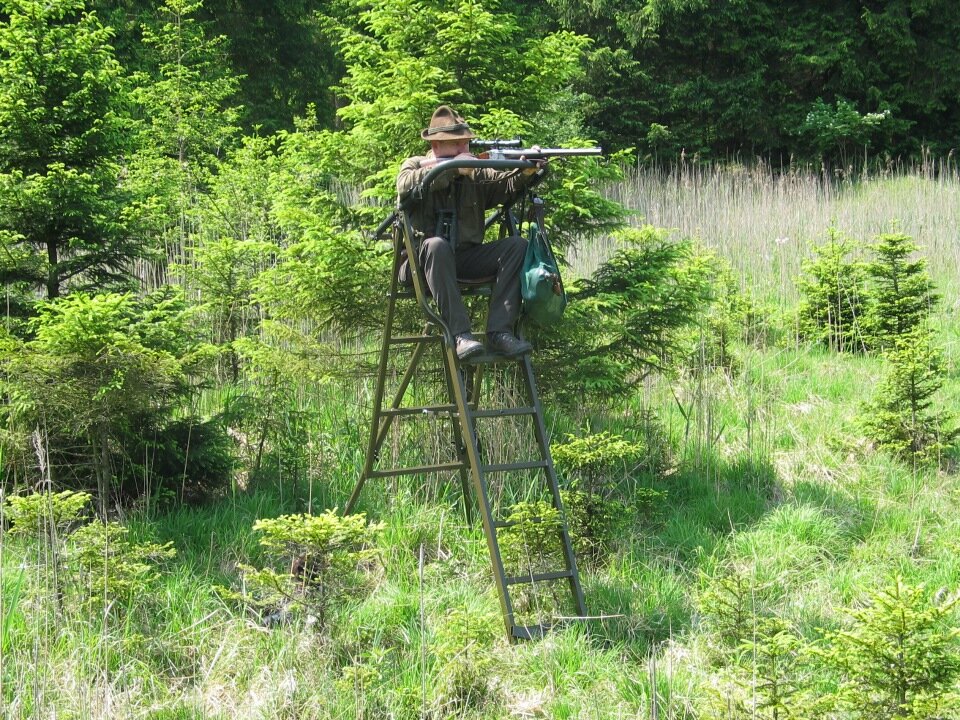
505 412
466 289
542 577
488 358
506 467
412 339
424 410
528 632
418 470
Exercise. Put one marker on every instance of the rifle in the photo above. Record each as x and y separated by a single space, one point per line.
499 155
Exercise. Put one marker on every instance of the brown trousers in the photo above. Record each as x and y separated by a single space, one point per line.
501 259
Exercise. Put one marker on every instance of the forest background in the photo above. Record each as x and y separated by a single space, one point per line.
752 397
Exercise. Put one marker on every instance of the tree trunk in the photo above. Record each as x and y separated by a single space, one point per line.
101 461
53 276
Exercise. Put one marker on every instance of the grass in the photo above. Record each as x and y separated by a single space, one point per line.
765 223
770 488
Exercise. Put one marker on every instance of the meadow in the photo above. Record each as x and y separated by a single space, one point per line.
767 522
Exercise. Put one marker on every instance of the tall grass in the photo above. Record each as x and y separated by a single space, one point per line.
764 221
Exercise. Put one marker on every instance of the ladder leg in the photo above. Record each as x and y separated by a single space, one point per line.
372 442
540 431
460 439
468 428
401 391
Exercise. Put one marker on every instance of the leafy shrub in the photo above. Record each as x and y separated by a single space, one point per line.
730 602
120 366
46 518
592 522
316 561
768 683
531 544
834 300
836 130
774 650
592 458
729 318
96 566
270 419
595 464
189 459
900 418
531 541
364 679
900 658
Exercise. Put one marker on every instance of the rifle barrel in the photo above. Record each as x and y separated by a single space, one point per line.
538 153
381 228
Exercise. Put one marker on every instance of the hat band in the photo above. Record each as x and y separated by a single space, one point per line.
447 128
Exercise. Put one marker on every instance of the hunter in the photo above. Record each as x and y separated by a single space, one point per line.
450 219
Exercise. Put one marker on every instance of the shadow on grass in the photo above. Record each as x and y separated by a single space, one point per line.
708 500
211 538
644 585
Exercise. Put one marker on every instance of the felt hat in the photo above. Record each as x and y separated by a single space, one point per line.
447 125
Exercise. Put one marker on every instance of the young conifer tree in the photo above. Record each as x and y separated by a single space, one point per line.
898 659
62 138
833 305
902 294
902 417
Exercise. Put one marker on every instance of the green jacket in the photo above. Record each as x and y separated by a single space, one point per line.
470 197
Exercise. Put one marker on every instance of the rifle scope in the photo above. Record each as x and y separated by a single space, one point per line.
497 143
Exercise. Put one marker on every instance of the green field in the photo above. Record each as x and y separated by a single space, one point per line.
769 519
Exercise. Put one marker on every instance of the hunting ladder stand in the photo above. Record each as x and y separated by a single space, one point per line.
463 380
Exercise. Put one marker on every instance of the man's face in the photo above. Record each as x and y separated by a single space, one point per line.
450 148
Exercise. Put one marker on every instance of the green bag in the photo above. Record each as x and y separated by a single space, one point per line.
544 298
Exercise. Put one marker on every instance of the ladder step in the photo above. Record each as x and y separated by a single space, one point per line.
414 339
506 467
423 410
542 577
505 412
529 632
418 470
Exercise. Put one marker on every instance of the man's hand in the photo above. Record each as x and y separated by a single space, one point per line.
466 171
539 163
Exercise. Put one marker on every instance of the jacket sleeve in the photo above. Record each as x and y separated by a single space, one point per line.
502 185
411 175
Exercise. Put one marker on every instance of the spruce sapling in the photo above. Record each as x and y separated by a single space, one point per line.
902 294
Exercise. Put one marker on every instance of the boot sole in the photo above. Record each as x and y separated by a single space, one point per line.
470 353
